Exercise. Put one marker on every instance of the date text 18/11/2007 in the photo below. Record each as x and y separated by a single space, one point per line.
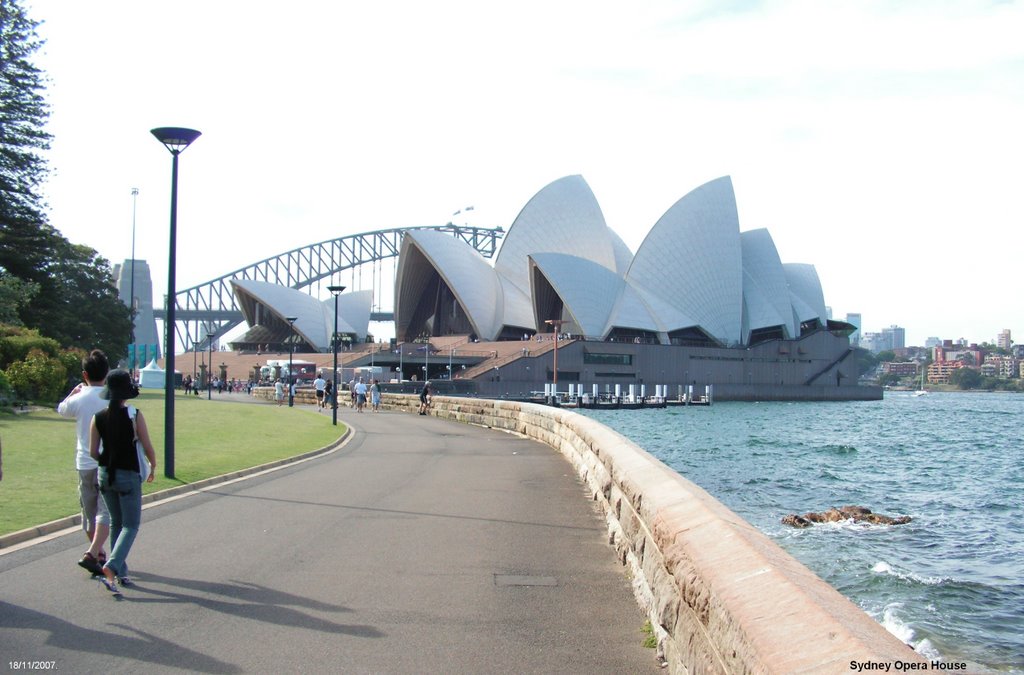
32 665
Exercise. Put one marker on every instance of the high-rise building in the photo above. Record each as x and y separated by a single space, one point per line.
1003 340
145 322
894 337
856 320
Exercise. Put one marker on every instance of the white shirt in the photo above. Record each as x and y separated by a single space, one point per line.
361 388
319 383
83 406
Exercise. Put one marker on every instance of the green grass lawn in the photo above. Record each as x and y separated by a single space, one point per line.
40 482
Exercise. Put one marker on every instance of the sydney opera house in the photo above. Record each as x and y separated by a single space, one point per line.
699 303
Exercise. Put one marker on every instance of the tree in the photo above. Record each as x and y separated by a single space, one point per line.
865 360
40 377
965 378
889 379
65 290
25 236
14 294
34 367
77 304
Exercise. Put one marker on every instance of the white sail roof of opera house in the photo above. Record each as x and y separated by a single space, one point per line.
263 303
694 279
470 277
766 300
564 217
586 289
805 292
691 261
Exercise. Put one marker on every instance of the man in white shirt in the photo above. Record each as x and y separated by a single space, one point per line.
318 384
360 395
82 404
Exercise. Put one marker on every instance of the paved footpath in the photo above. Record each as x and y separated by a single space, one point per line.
420 546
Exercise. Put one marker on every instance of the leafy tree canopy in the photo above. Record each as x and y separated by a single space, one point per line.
865 360
25 236
14 294
966 378
64 290
77 303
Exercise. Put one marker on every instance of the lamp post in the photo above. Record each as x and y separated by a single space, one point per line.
557 325
209 373
175 139
335 291
131 282
291 348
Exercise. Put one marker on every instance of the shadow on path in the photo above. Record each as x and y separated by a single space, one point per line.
102 642
245 600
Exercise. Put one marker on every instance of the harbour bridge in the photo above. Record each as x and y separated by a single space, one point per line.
210 308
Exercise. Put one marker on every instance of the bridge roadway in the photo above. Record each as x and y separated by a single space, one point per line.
418 546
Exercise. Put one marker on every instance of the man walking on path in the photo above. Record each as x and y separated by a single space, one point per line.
82 404
360 395
319 384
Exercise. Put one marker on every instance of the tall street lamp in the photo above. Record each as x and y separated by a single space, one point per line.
291 348
335 291
175 139
131 283
209 373
557 325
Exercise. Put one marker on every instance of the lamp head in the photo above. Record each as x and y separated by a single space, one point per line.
175 139
336 289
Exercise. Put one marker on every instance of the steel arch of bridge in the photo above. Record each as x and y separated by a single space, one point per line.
213 303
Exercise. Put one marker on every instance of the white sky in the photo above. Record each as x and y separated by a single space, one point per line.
881 141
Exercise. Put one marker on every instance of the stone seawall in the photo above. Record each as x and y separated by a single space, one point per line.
721 596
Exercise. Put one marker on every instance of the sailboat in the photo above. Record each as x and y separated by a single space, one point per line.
921 391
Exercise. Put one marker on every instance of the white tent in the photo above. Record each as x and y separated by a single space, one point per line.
152 376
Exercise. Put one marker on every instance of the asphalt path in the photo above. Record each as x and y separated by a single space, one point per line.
419 546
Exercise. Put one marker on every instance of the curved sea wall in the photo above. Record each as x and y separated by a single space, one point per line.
722 597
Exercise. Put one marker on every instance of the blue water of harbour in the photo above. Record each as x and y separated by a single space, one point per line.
951 582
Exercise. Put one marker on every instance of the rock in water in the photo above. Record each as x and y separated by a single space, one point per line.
858 514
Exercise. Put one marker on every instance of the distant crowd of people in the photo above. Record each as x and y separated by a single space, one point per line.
233 386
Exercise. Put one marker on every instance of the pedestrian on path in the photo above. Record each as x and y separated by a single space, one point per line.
375 395
279 392
82 404
119 441
360 395
425 397
329 394
319 384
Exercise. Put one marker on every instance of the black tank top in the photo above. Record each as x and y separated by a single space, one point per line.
118 435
